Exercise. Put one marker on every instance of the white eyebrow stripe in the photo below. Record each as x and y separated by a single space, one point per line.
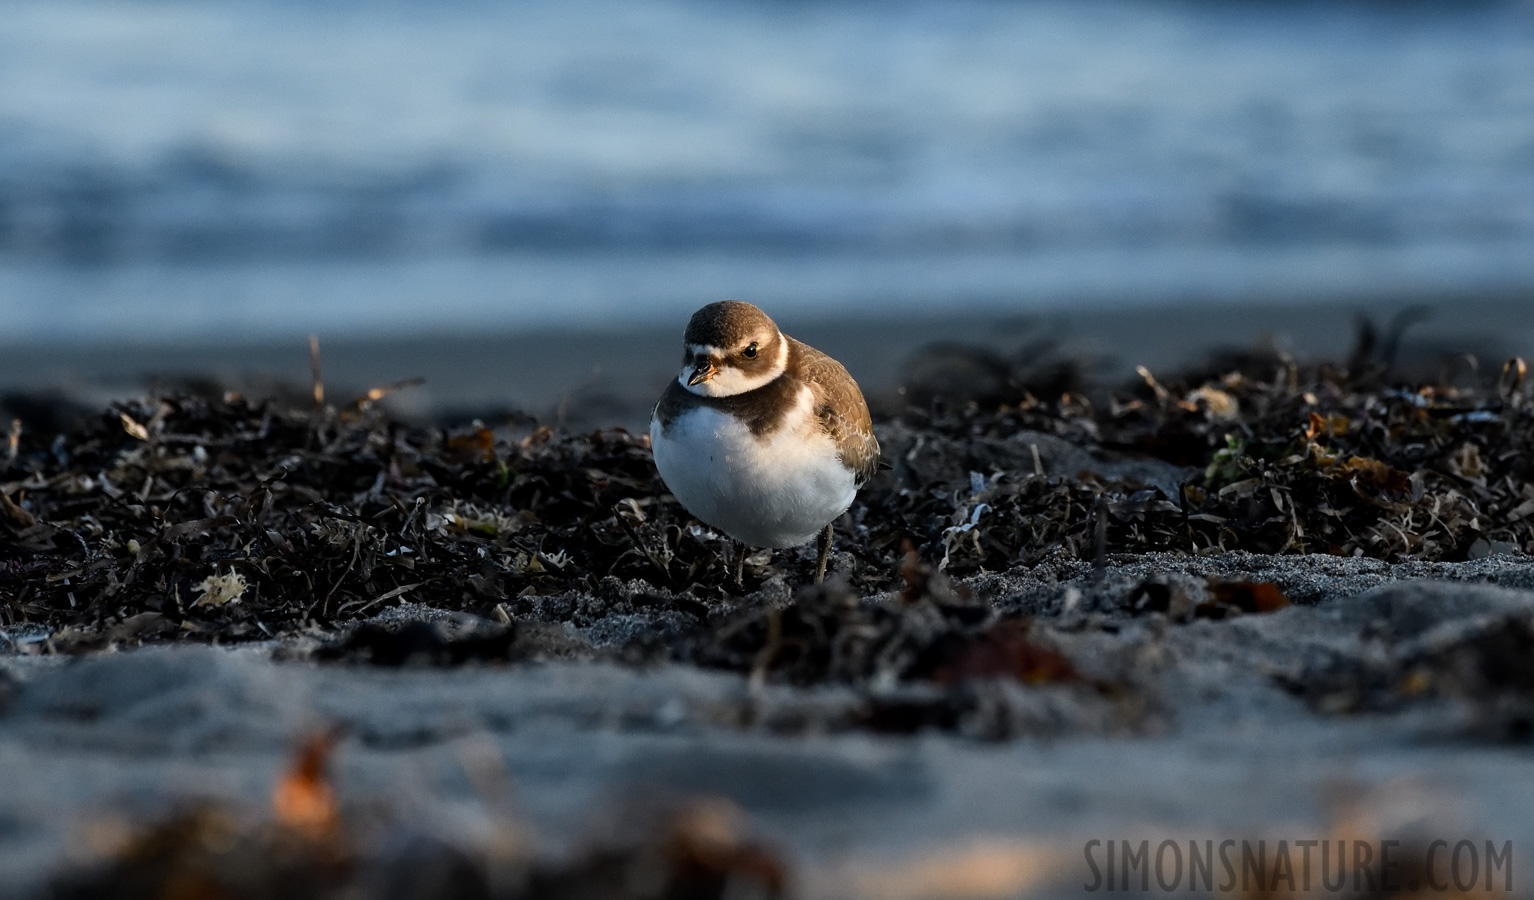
704 350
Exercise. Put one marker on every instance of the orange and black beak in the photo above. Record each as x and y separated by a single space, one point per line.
705 370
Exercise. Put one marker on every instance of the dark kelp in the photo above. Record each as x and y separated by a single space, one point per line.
221 518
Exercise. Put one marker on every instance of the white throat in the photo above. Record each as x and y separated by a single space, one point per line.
729 380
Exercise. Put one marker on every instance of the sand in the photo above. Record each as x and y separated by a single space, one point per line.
1387 702
1214 740
591 378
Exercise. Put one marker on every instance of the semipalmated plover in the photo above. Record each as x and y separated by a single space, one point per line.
760 436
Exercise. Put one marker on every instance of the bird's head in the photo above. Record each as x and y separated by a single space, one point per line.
730 348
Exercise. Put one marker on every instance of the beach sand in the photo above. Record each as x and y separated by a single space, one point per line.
594 378
1348 714
1214 740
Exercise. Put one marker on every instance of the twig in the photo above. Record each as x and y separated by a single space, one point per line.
317 372
762 664
1099 539
390 595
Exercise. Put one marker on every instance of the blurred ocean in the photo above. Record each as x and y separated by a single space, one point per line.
183 169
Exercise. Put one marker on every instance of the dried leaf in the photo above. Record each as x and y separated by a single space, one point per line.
1330 425
134 428
476 446
14 514
1375 474
1005 651
304 800
1246 596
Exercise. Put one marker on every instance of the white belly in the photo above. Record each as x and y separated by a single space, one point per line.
777 492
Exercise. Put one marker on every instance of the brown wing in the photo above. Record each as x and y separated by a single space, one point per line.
841 408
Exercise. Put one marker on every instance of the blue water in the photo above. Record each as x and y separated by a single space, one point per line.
194 169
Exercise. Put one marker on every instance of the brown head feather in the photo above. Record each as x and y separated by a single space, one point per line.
726 323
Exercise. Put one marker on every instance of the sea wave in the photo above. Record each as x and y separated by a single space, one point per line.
139 134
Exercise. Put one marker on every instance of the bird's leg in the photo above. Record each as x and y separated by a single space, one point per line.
825 554
740 564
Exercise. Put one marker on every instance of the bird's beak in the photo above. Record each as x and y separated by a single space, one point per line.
703 372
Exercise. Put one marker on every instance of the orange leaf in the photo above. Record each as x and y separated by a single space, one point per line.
304 800
1249 596
1375 473
1326 426
476 445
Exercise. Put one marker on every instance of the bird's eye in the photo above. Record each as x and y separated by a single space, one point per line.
750 351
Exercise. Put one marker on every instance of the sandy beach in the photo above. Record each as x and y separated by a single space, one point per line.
335 563
594 378
1211 746
552 736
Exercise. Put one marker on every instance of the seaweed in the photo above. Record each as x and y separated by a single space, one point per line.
219 518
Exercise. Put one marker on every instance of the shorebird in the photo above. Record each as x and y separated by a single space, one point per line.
761 436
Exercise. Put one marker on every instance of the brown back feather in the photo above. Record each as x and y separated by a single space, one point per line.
851 428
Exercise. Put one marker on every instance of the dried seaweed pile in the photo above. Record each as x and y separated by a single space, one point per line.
1282 459
191 515
219 518
931 658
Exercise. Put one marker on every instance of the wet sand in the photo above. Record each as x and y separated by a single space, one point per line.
592 378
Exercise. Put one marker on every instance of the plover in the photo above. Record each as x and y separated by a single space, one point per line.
762 437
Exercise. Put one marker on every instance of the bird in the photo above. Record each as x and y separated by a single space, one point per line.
761 436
